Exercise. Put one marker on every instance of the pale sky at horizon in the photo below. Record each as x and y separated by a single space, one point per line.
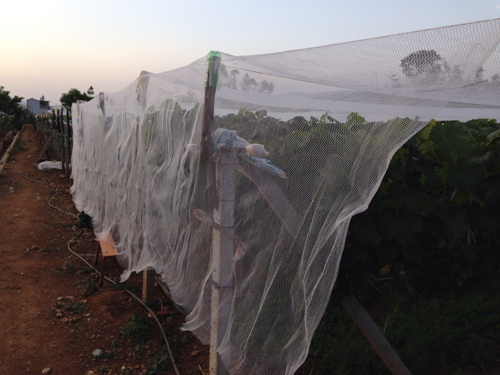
48 47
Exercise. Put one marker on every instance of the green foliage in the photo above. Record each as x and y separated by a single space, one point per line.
89 287
17 148
67 99
472 327
159 364
75 308
138 329
122 286
429 232
10 110
435 215
102 369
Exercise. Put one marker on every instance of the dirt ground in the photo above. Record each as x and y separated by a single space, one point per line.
51 313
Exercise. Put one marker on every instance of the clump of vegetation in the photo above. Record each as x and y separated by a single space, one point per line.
102 369
159 364
89 287
429 233
138 329
75 308
122 286
17 148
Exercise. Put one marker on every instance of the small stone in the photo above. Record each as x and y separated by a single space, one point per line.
46 370
34 247
97 352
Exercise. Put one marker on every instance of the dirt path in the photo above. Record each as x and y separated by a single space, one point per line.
39 276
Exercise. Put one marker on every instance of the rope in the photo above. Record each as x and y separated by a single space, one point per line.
106 278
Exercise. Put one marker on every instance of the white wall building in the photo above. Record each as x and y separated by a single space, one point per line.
38 106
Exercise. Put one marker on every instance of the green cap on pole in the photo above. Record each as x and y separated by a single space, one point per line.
213 69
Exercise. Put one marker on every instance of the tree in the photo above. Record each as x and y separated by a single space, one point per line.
70 97
423 63
8 105
10 109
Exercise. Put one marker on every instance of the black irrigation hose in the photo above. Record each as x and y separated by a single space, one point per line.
108 279
54 186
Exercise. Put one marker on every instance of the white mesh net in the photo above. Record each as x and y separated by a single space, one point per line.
330 117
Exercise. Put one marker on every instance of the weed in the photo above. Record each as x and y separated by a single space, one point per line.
184 337
75 308
115 344
18 147
70 269
122 286
138 329
86 270
89 287
159 364
102 369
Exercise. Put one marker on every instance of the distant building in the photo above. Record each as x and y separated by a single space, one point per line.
38 106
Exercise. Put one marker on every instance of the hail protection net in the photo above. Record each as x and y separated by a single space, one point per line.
176 187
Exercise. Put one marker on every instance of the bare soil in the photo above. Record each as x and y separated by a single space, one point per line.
42 285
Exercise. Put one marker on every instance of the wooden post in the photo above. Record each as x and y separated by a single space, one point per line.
206 152
63 144
66 143
70 137
222 255
224 215
376 338
148 285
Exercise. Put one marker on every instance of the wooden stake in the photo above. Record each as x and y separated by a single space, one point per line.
376 338
148 285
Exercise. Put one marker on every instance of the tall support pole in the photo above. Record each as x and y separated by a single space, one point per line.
206 152
223 253
70 137
213 203
66 143
63 143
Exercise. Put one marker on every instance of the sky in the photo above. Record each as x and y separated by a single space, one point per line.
48 47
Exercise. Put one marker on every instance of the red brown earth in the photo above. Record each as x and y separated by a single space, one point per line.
39 276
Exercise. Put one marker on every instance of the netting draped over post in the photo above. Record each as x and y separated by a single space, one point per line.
330 118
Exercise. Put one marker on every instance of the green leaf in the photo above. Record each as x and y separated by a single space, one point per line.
451 141
492 136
